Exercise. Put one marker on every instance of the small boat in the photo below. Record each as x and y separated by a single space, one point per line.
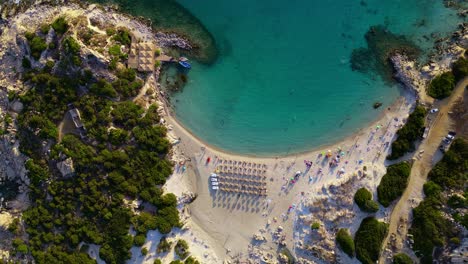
185 64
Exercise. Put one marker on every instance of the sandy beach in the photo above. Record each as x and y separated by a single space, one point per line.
230 220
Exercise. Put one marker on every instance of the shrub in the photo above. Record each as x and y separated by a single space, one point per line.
432 189
409 133
37 45
402 258
457 201
363 199
315 226
460 68
181 249
103 88
164 245
345 241
191 260
393 183
60 25
450 172
429 228
45 28
139 240
115 50
368 239
157 261
442 85
144 251
123 36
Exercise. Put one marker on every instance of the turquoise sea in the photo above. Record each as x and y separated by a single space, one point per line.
282 82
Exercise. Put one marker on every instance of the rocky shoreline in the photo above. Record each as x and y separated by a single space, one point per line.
416 78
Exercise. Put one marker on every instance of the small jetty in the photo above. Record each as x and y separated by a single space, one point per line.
182 61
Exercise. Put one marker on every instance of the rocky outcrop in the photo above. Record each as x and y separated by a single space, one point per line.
407 73
172 40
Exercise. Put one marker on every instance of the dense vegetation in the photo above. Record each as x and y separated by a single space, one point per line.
429 227
369 238
460 68
402 258
442 85
345 241
363 199
111 165
393 183
408 134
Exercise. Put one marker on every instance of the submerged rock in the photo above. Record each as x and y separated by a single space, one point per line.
381 46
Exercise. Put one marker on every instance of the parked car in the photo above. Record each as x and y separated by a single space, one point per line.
213 179
434 110
214 188
214 183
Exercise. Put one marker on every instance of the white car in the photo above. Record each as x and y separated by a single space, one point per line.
214 183
214 179
434 110
214 188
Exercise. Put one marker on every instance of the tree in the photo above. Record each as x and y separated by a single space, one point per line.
103 88
393 183
181 249
442 85
402 258
409 133
363 199
460 68
345 241
368 239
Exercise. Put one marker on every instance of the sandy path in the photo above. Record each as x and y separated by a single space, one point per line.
401 213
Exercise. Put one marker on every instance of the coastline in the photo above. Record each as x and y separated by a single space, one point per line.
223 227
169 110
210 219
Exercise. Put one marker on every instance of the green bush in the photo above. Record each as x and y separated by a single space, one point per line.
432 189
157 261
191 260
442 85
408 134
457 201
460 68
115 50
363 199
139 240
103 88
345 241
450 172
181 249
315 226
164 245
368 239
60 25
393 183
402 258
123 36
144 251
429 228
37 45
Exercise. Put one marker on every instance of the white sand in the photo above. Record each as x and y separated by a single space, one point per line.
230 220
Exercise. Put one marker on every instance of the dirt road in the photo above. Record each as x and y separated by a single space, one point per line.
425 159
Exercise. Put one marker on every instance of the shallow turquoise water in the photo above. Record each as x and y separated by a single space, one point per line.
283 83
